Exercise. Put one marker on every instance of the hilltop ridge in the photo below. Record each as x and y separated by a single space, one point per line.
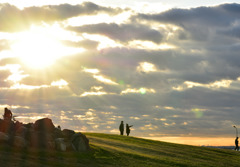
116 150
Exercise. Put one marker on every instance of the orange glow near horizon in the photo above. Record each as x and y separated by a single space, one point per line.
197 141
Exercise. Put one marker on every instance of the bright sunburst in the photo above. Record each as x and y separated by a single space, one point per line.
39 48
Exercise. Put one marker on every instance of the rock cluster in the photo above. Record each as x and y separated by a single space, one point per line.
41 134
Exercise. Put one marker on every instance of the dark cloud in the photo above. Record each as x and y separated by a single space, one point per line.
232 32
86 8
88 44
23 19
123 32
201 22
223 15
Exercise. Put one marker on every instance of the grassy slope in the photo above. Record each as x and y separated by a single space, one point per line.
115 150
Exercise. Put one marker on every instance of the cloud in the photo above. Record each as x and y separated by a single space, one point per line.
122 32
22 19
198 21
88 44
222 15
9 60
3 77
180 90
232 31
4 45
170 67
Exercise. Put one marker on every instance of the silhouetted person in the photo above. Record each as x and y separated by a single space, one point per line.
236 144
121 128
7 114
128 129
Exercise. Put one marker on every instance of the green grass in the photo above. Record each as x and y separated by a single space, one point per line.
114 150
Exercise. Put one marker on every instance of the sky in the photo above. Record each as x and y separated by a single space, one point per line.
169 68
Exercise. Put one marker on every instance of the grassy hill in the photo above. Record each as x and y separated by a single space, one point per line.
115 150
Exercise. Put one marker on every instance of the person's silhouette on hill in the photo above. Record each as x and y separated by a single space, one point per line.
7 114
121 128
128 129
236 144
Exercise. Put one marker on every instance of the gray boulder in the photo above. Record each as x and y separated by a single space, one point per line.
57 133
67 134
80 142
60 144
44 125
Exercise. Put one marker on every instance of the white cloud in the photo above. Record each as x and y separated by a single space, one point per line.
60 83
213 85
93 93
140 91
146 67
104 80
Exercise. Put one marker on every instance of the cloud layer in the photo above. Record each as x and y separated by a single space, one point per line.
174 73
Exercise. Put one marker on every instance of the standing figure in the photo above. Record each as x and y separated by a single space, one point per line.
7 114
236 144
121 128
128 129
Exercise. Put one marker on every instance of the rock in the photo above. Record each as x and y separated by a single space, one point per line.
3 137
6 126
57 133
67 134
60 144
44 125
19 142
70 146
80 142
41 134
29 133
41 140
29 125
17 125
21 131
32 138
51 145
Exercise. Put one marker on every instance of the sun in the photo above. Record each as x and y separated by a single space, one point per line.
40 48
36 50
